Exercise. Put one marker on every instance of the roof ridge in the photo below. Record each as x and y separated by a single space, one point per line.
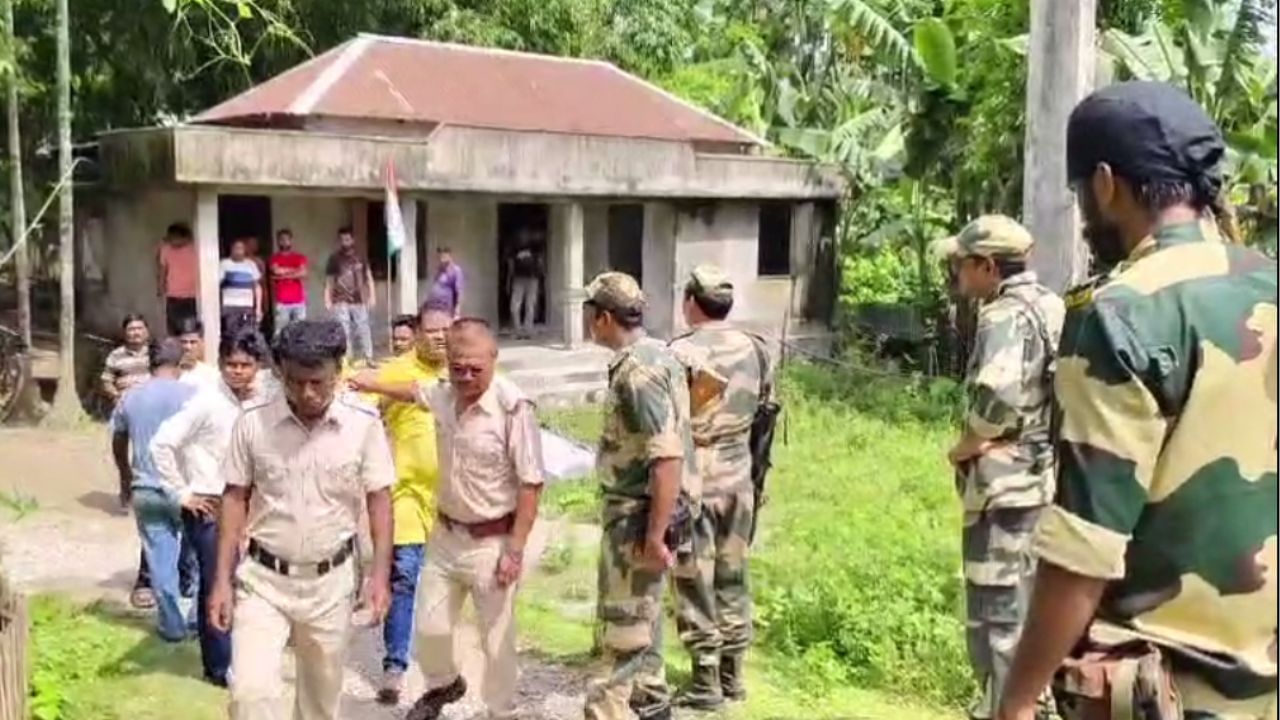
306 100
487 50
696 108
336 49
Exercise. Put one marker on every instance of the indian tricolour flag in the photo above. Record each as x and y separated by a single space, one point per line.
394 220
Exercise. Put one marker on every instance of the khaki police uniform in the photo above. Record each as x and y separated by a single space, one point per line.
487 453
300 581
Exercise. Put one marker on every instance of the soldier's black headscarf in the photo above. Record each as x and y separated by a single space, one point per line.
1147 132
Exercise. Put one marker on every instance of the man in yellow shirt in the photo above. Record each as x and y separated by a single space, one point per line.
413 445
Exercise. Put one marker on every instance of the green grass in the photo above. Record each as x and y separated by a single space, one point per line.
576 499
97 662
555 612
857 571
18 503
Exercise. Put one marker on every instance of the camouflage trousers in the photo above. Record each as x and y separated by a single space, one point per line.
633 677
713 600
1202 702
998 573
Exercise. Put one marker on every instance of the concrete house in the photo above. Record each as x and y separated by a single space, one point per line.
606 169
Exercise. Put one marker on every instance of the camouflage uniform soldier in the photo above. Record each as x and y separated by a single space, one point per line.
713 600
1165 523
1004 460
646 458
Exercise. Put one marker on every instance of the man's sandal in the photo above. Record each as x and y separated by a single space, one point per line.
142 598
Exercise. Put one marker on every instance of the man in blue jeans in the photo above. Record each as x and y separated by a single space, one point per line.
412 432
134 423
349 295
188 452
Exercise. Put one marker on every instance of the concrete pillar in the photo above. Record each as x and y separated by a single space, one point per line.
569 244
407 259
804 227
1061 73
659 264
209 255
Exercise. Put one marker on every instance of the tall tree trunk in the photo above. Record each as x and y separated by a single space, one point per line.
29 403
66 404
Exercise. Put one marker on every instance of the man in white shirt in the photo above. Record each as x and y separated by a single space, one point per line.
188 452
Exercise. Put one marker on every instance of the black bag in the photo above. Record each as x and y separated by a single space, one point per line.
763 426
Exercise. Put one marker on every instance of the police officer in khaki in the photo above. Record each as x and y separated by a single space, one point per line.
297 470
490 457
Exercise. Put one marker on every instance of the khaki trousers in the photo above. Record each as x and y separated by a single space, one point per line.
271 608
459 565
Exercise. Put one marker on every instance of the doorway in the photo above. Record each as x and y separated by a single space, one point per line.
517 223
626 240
249 217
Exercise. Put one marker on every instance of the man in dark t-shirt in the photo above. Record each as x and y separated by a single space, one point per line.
524 280
349 295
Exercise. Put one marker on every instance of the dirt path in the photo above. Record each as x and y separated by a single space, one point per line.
77 541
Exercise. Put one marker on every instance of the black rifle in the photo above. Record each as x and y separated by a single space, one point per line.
679 530
763 425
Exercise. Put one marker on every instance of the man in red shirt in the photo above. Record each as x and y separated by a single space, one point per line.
288 278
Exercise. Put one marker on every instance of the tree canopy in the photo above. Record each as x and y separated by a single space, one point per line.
919 102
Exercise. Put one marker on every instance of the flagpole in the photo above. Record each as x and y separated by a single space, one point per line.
391 315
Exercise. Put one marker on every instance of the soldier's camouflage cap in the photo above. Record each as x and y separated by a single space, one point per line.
989 236
710 283
615 291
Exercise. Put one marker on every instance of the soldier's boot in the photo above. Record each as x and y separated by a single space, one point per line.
731 680
703 691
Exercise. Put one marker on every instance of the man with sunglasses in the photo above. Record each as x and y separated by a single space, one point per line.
489 449
1004 458
647 463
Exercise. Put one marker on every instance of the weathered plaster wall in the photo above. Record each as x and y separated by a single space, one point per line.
661 228
455 159
133 225
470 228
726 234
595 239
314 222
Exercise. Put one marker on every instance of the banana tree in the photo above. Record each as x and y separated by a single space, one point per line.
1214 50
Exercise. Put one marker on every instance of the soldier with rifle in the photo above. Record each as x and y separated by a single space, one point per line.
712 592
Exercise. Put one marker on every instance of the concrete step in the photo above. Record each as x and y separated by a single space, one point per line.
513 359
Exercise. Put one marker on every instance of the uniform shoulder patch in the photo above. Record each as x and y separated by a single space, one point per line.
1082 294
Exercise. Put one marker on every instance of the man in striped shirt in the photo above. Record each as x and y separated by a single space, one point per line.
241 281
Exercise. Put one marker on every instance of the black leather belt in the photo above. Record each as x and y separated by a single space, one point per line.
271 561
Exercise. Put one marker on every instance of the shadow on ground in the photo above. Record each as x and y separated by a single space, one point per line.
104 502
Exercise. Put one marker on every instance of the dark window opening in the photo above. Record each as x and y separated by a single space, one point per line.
773 247
376 227
626 239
